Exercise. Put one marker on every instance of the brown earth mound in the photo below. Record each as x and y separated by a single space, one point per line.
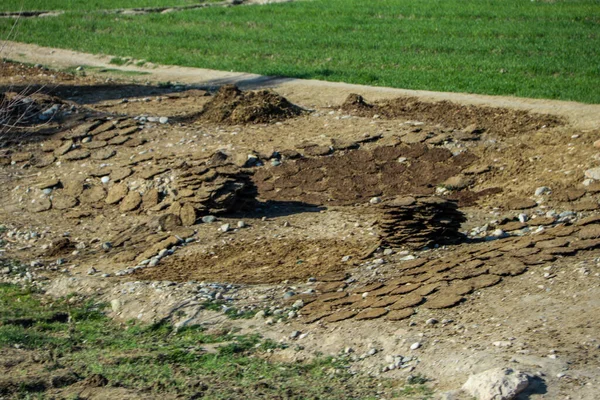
232 106
500 121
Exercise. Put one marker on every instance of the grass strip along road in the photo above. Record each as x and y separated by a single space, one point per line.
534 49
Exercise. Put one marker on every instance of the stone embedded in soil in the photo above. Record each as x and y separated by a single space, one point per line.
130 202
496 384
593 173
117 193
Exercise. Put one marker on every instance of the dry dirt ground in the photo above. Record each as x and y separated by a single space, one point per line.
366 216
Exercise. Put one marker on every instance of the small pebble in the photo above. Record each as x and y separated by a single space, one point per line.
415 346
375 200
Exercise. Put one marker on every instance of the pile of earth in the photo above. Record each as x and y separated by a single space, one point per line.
499 121
232 106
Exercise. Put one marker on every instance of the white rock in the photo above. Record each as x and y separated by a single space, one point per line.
415 346
496 384
502 343
224 227
542 190
499 233
115 304
163 120
298 304
105 179
375 200
241 224
593 173
523 218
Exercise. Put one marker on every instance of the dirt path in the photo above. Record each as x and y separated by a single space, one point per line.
306 92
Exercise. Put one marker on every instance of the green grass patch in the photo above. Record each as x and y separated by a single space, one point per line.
87 5
501 47
157 359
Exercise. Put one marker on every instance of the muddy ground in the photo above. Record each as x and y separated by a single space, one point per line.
365 218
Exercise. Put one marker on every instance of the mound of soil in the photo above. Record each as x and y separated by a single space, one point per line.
232 106
494 120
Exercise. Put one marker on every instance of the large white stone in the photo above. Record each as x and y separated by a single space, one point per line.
593 173
496 384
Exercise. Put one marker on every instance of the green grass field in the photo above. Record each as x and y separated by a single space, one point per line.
87 5
541 49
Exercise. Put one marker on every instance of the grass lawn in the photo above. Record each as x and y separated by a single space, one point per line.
86 5
543 49
74 335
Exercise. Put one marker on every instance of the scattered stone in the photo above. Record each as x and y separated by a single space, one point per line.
224 228
208 219
542 190
496 384
415 346
593 173
375 200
